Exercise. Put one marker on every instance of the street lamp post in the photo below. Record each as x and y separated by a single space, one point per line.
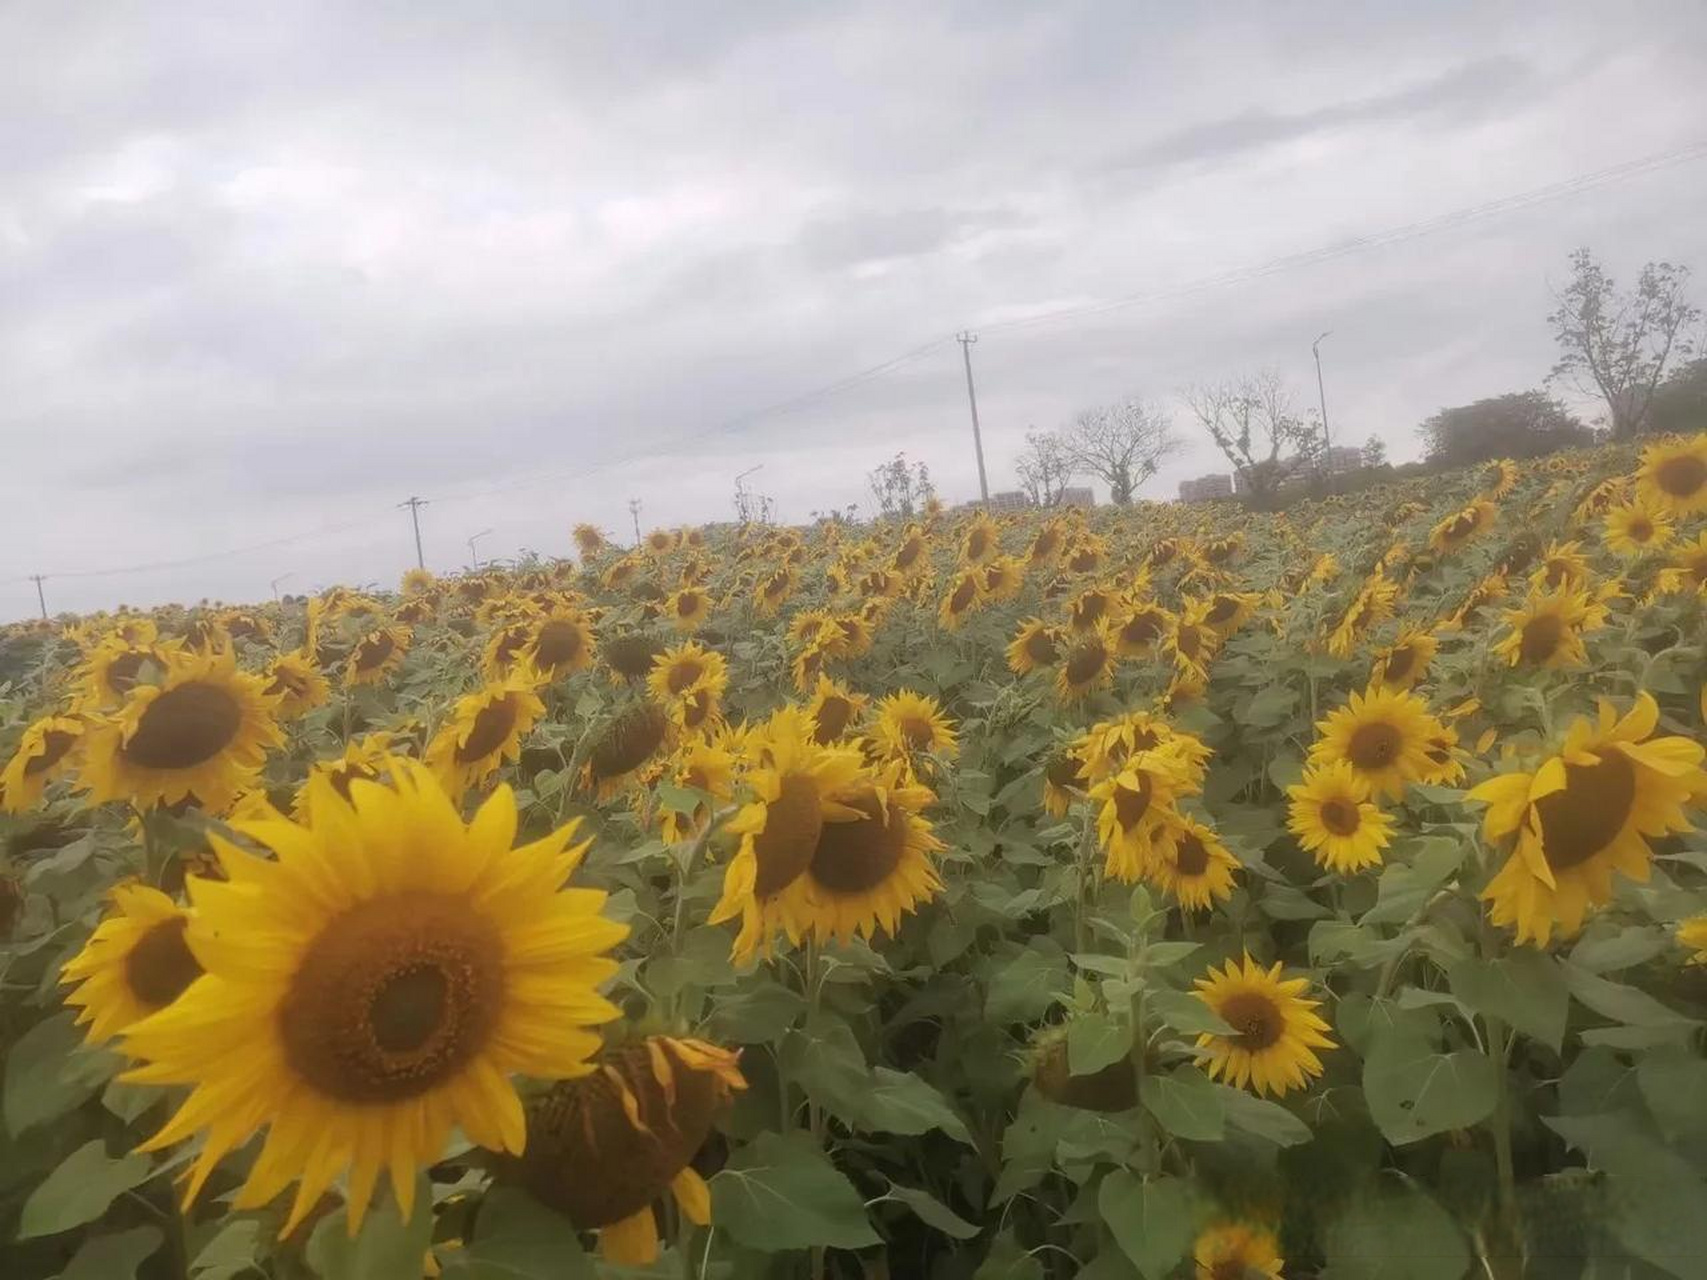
1322 396
473 555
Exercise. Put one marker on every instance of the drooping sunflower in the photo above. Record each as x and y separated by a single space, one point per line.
375 986
1036 644
1547 629
982 540
504 647
965 593
1563 564
561 643
797 787
773 590
701 766
1189 861
1140 628
1383 734
630 655
1583 814
1045 546
687 608
363 759
1132 806
1003 578
1491 588
912 555
1275 1028
1237 1251
376 655
134 963
1089 609
910 727
833 711
484 731
111 670
1402 664
1192 642
1336 821
1635 528
1673 475
639 1120
633 740
1230 610
1499 478
297 683
203 732
1087 664
1458 529
45 752
1063 781
1372 605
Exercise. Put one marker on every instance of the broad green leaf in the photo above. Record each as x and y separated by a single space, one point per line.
49 1072
1024 987
386 1247
1094 1040
113 1257
1620 1003
1185 1013
1185 1103
1609 947
517 1238
782 1192
1272 706
80 1189
1395 1233
760 1012
1524 989
1008 1261
1161 955
1265 1119
933 1212
230 1252
1673 1082
898 1102
826 1061
1285 902
1152 1221
1415 1091
1405 886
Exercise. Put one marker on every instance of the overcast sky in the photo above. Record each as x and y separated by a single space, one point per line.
267 270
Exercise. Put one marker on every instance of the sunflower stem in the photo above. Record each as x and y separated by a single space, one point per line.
1081 917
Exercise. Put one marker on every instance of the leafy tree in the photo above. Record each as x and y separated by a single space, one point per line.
1375 452
900 487
1520 424
1253 421
1617 345
1122 444
1045 468
1680 402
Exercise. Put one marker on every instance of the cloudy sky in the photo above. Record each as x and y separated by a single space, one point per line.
267 271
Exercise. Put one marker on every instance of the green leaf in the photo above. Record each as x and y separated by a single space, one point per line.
1406 885
1673 1082
1272 706
1008 1261
1094 1041
1397 1233
782 1192
80 1189
826 1061
1285 902
1261 1117
230 1252
49 1072
1609 948
898 1102
386 1247
760 1013
1620 1003
1185 1013
112 1257
933 1212
1415 1091
1524 989
517 1238
1161 955
1185 1103
1024 987
1151 1221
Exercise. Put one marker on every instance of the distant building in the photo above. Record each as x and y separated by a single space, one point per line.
1206 488
1078 496
1282 471
1342 458
1009 500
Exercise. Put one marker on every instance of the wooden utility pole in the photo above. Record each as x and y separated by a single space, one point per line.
41 599
966 339
415 505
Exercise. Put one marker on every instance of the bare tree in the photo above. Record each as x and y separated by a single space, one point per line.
1045 468
900 487
1122 444
1617 345
1252 420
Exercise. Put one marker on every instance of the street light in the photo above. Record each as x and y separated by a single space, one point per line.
473 555
1322 395
275 583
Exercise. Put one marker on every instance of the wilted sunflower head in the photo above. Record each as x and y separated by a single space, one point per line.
631 654
588 540
632 739
1086 664
1108 1089
1036 644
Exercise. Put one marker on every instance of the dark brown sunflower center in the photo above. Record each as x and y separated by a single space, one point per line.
491 727
963 595
1541 637
1040 646
184 727
372 652
1132 803
908 554
1044 546
160 965
559 642
918 732
1063 772
122 671
1142 628
977 542
1189 641
683 672
55 743
1089 610
697 708
1224 610
1640 529
1374 746
1191 855
853 857
1340 816
1256 1021
395 996
629 742
1086 663
1399 663
794 822
1682 476
687 604
833 716
1583 819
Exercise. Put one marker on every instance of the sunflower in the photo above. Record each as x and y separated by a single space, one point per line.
1601 497
1087 664
699 711
45 752
1372 605
1132 806
911 726
134 963
912 555
1107 745
363 760
1562 565
1085 555
1140 628
1192 642
203 732
689 665
376 655
1402 664
1459 528
639 1120
111 670
702 766
1547 629
1223 550
632 740
1045 546
964 595
418 582
1003 578
1237 1251
661 541
561 643
373 988
848 635
1275 1029
1189 861
1634 528
773 589
1335 820
688 608
630 656
618 573
1089 610
1673 475
486 729
1036 644
833 710
1491 588
1383 734
797 786
982 540
868 872
1063 781
1688 567
1692 935
1230 610
503 647
1583 814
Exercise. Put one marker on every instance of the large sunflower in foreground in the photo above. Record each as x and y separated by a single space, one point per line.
1384 735
1275 1029
1189 861
134 963
1335 820
911 726
204 731
45 752
485 729
1584 813
797 786
374 988
603 1148
1673 475
1237 1251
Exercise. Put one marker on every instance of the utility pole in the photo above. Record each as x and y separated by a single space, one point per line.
474 555
38 579
415 505
966 339
1322 395
634 510
275 582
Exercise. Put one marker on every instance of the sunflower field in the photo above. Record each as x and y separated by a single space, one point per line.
1152 892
